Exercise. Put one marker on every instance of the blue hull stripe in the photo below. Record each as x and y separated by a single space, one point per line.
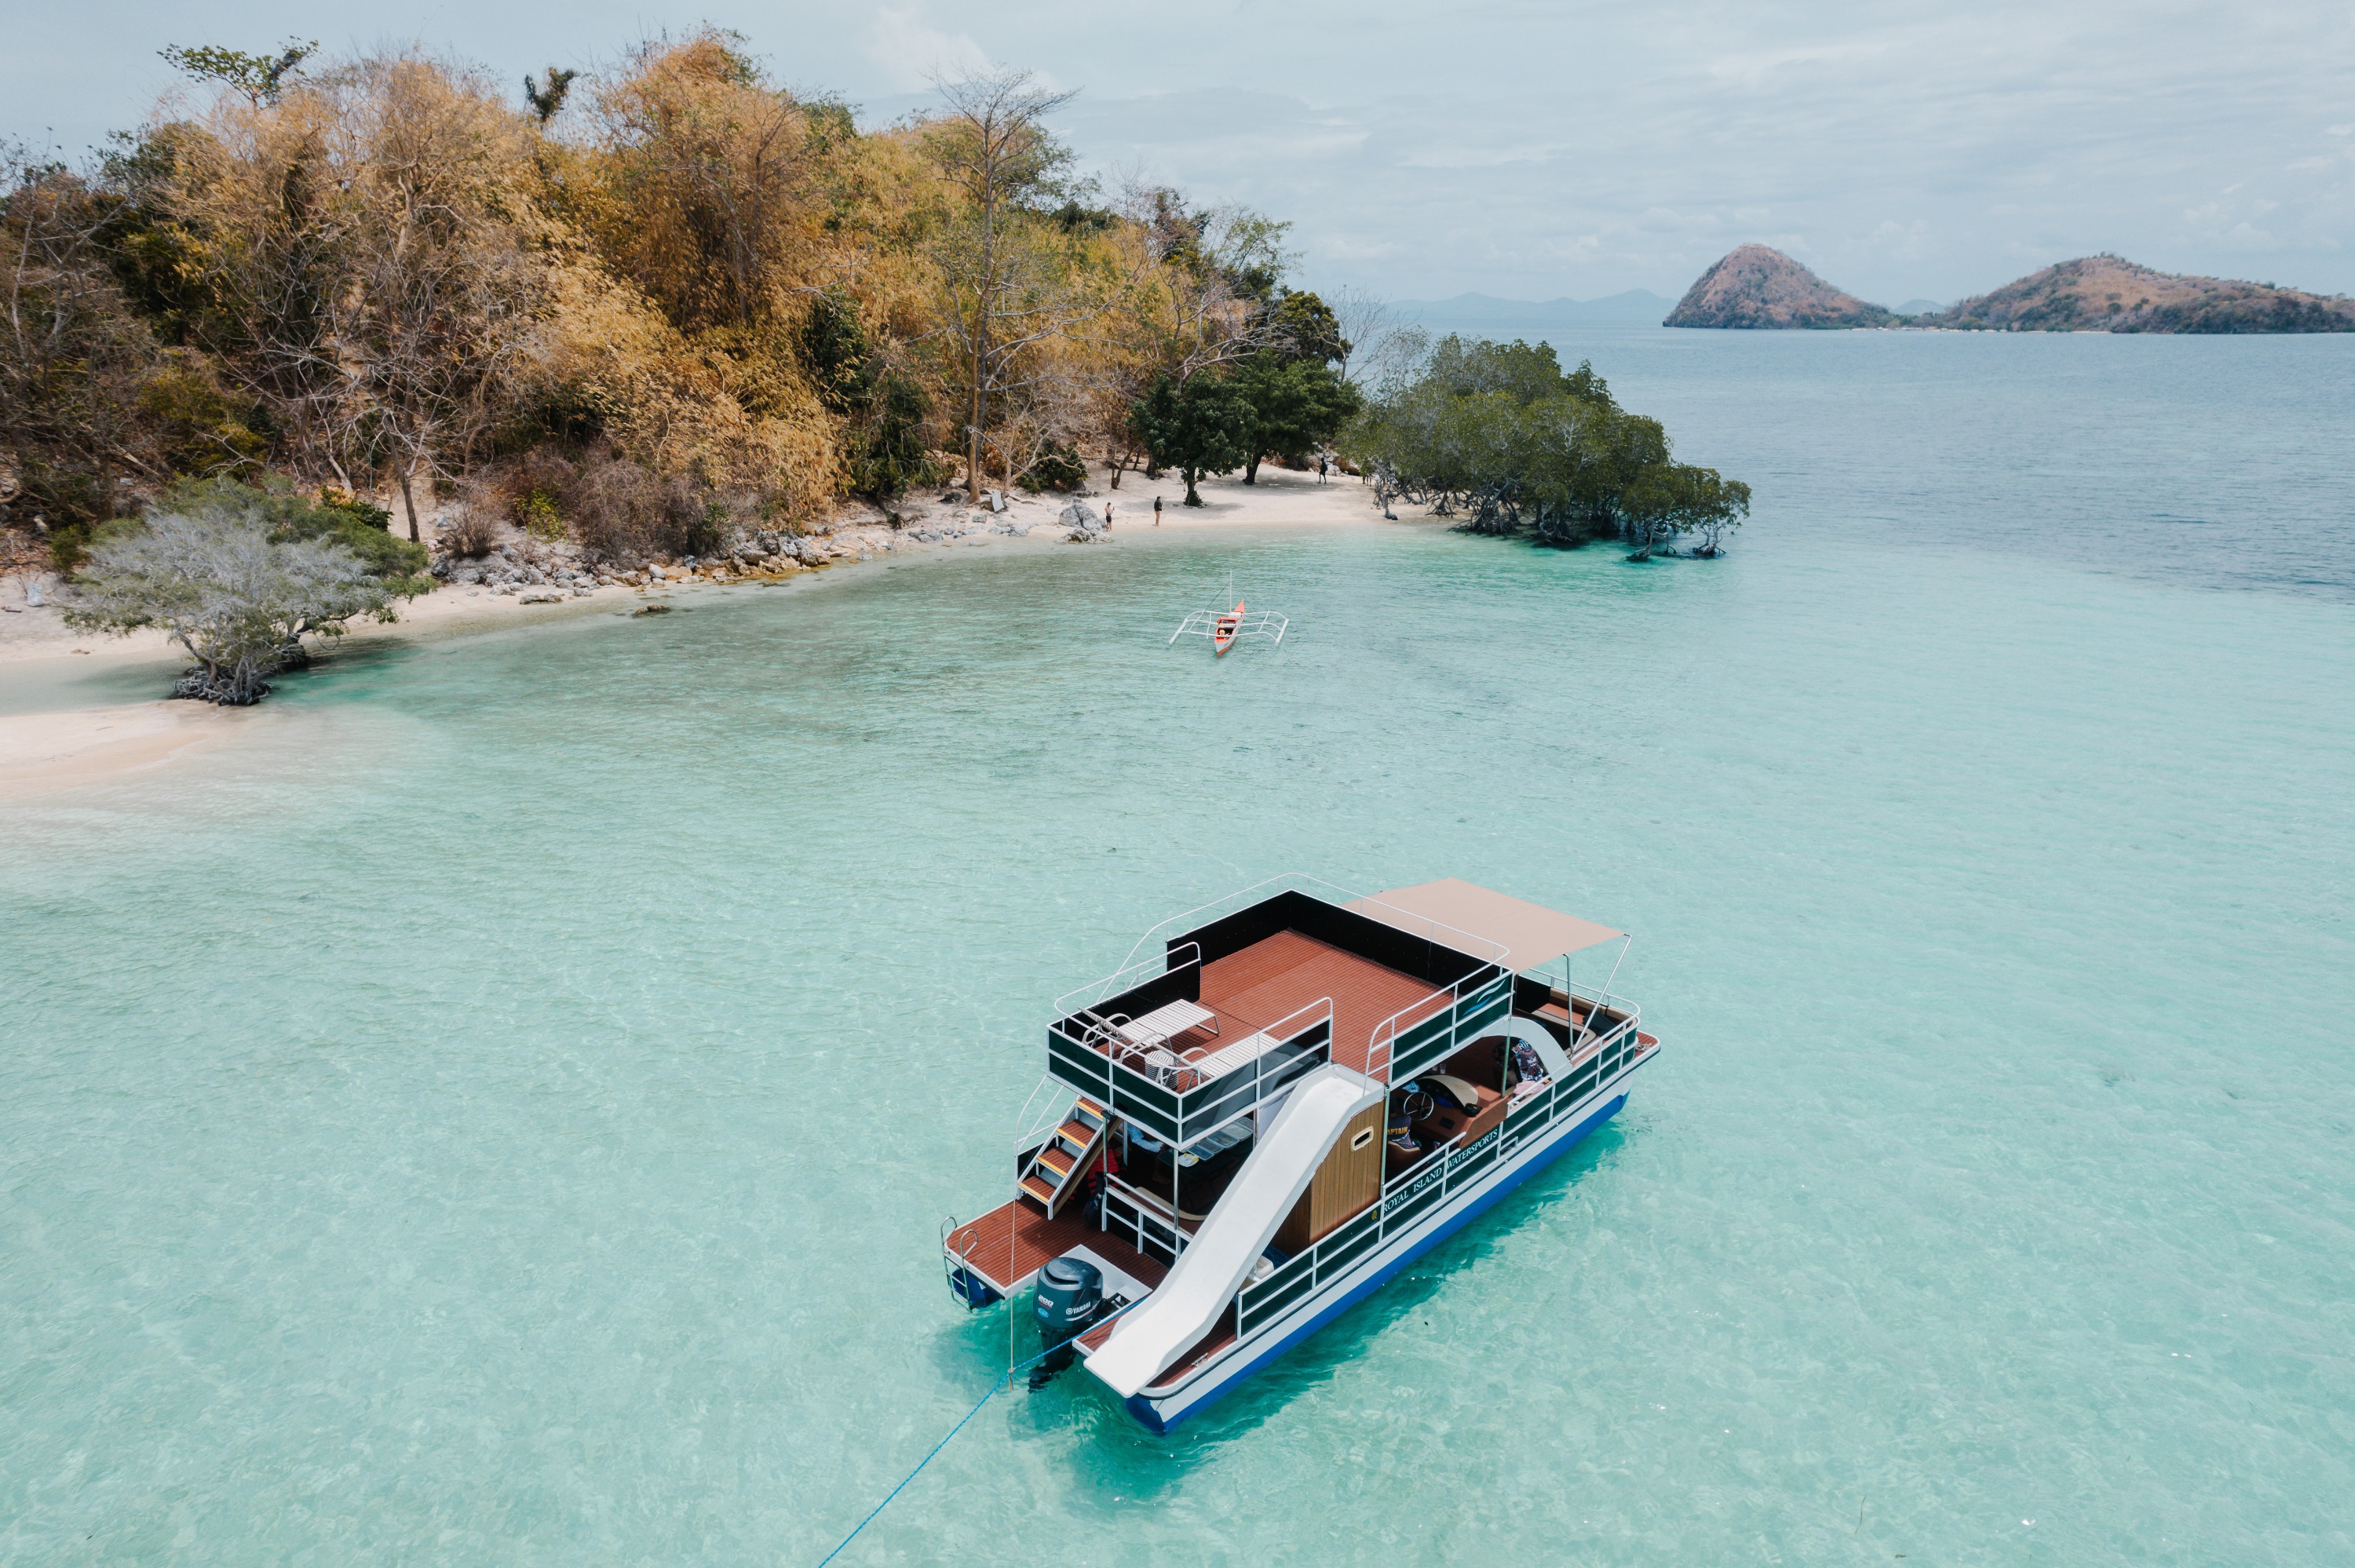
1142 1407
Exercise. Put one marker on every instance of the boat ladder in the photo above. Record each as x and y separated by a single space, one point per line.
1055 1171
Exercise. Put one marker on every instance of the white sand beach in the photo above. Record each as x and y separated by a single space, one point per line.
48 751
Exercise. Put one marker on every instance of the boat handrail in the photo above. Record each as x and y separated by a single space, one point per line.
1225 1097
1111 985
1166 1075
1256 892
1424 1166
1059 1098
1382 1038
1588 1038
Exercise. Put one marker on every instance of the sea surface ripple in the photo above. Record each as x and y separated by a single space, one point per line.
505 1112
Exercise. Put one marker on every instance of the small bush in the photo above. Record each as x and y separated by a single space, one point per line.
621 511
539 514
1059 467
473 533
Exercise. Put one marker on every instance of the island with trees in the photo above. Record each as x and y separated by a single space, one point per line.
1498 436
645 312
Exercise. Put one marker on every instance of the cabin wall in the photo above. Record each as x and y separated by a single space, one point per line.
1348 1183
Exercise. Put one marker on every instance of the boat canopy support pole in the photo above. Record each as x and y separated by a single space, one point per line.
1624 943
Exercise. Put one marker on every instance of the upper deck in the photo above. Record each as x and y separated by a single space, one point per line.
1246 1004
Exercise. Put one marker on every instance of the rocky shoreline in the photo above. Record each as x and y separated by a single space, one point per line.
545 571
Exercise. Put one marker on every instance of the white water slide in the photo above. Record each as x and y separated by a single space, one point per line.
1240 1225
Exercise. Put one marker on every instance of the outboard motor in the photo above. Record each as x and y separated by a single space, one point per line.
1071 1293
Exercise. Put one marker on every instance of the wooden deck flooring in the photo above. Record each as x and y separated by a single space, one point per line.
1011 1243
1272 978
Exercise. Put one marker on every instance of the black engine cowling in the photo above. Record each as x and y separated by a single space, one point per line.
1070 1294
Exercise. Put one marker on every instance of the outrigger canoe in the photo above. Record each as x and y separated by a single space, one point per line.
1225 628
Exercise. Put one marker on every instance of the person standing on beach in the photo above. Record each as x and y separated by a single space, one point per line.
1324 467
1157 512
1107 516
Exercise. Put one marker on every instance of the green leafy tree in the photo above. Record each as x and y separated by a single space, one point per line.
1297 405
548 97
1203 426
230 587
355 527
884 410
1059 467
259 77
1302 326
1669 500
1497 433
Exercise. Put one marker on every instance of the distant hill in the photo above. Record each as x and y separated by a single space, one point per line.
2109 293
1920 308
1637 307
1754 286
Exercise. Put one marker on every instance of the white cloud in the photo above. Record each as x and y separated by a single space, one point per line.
1571 148
1902 242
912 51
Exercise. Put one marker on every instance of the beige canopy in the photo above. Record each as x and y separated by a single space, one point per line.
1525 934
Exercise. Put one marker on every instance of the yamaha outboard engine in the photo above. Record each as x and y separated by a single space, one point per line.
1071 1293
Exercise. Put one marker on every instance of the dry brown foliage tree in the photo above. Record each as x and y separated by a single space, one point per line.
692 271
365 244
710 188
74 361
439 298
702 193
1012 291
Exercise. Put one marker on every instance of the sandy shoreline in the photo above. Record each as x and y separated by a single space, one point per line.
67 746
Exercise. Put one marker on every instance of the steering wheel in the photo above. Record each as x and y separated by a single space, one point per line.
1416 1105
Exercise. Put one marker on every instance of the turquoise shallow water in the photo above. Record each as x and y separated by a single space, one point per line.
504 1112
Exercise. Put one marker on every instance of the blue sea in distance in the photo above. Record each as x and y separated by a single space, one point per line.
503 1110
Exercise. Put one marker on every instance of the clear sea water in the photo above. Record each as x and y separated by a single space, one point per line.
504 1112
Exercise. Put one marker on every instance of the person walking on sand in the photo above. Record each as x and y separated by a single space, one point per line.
1107 516
1157 512
1324 466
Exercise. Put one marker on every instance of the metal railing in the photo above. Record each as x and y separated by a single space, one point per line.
1490 998
1408 1196
1034 1129
1147 1222
1585 1039
1128 977
1161 1102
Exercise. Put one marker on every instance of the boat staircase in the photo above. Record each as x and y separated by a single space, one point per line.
1056 1170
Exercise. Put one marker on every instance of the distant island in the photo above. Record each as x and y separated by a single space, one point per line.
2106 292
1757 287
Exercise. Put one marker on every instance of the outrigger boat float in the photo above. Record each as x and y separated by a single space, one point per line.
1223 626
1252 1129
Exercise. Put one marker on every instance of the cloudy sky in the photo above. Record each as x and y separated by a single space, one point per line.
1522 150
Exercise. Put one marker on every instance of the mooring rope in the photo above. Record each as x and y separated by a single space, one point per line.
1004 1381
